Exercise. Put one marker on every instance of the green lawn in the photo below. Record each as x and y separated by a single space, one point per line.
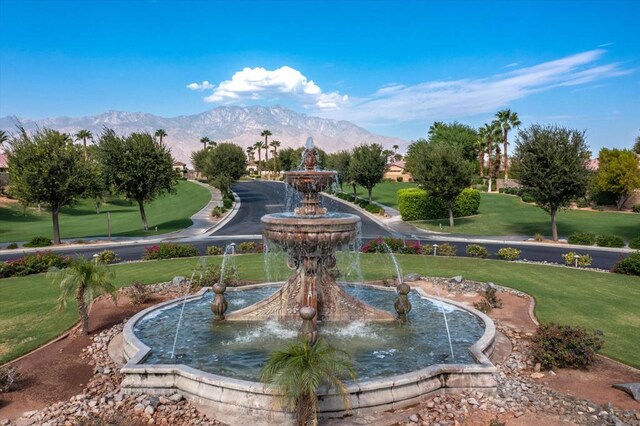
169 213
501 214
383 193
595 300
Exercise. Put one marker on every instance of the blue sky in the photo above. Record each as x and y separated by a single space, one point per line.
392 67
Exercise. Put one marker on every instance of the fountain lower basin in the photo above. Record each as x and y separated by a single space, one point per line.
230 393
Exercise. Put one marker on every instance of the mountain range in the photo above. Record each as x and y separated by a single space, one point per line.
240 125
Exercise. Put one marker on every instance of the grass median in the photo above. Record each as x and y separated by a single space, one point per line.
168 213
609 302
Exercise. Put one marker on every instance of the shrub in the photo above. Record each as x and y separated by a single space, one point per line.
169 250
12 246
247 247
395 244
399 179
512 190
583 261
636 208
416 204
372 208
138 293
560 346
227 201
374 246
218 211
411 247
582 238
630 265
446 249
467 203
38 242
211 276
509 253
538 237
635 243
489 300
527 198
214 251
34 264
583 202
475 250
609 241
107 256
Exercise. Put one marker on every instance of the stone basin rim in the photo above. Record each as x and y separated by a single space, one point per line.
135 351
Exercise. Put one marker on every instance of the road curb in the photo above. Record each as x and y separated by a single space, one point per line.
363 211
227 218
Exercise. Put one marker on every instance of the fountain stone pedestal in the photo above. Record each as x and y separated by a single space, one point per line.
310 237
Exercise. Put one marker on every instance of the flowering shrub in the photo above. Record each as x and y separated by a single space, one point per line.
584 260
107 256
509 253
558 346
395 245
250 247
475 250
33 264
169 250
411 247
214 251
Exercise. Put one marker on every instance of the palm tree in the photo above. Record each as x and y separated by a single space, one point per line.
266 134
258 147
83 135
508 120
84 279
4 137
490 133
249 151
160 133
204 141
395 149
212 144
275 144
298 371
480 146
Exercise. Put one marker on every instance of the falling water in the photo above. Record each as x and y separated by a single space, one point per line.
446 324
395 261
184 300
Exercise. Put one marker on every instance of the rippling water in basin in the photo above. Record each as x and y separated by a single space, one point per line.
239 349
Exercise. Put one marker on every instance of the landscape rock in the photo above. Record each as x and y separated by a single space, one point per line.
178 280
632 389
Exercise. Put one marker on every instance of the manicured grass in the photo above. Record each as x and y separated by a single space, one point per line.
383 193
169 213
501 214
605 301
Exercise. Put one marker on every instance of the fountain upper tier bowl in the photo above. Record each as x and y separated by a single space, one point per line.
310 232
308 181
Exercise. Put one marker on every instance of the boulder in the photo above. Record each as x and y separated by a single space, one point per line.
179 280
632 389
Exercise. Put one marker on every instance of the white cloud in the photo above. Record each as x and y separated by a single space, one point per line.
468 97
203 86
511 65
259 83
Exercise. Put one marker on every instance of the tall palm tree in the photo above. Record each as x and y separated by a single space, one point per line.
212 144
395 149
205 141
490 133
258 148
508 120
249 151
480 145
84 280
160 133
298 371
4 137
83 135
275 144
266 134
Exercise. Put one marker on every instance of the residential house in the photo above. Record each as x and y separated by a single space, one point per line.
396 172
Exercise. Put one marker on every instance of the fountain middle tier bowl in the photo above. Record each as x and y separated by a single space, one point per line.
310 232
310 181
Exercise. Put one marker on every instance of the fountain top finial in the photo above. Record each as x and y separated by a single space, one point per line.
310 159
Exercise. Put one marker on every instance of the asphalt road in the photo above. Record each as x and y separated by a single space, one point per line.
259 198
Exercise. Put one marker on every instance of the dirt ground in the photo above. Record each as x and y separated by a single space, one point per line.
56 371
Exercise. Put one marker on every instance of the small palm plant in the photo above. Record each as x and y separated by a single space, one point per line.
85 280
297 372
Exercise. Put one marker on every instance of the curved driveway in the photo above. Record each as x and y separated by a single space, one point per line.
259 198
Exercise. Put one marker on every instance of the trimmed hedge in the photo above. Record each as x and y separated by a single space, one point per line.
416 204
169 251
582 238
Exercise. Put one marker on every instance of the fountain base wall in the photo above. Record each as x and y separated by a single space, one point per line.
240 401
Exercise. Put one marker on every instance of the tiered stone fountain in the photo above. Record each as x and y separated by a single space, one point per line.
215 358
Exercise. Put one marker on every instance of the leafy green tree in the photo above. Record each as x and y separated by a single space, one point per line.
83 280
456 134
508 120
160 133
288 159
83 135
550 164
442 170
47 168
339 161
225 164
198 159
618 173
297 372
4 137
367 166
137 166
